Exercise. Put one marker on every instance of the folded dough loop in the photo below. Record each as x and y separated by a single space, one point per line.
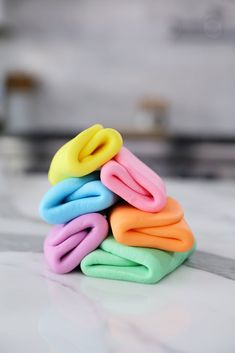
134 181
116 261
67 244
166 230
85 153
73 197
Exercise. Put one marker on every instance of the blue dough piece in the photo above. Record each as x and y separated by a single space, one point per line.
74 197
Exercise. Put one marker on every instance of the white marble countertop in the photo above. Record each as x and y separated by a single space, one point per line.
190 311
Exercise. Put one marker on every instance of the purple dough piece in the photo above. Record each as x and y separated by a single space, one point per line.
67 244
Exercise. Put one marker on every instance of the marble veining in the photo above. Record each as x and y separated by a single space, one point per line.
190 311
216 264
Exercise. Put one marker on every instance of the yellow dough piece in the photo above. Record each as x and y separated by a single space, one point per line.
85 153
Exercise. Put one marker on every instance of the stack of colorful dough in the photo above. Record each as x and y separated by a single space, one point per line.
111 214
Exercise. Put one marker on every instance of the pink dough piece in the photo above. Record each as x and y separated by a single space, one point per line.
134 181
67 244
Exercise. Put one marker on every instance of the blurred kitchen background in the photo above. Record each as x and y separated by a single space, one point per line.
160 71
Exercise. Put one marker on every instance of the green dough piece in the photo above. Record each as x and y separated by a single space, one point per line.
121 262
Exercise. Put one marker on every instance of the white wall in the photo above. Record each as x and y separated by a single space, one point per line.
97 57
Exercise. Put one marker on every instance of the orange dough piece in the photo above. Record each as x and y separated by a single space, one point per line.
165 230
